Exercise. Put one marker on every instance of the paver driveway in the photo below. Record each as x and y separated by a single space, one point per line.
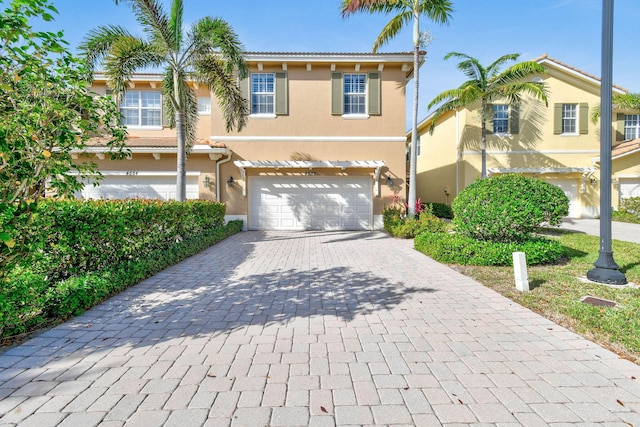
313 328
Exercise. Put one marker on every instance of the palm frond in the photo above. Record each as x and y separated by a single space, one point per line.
175 23
216 37
96 45
494 69
469 65
392 28
537 90
223 84
438 11
154 21
349 7
517 72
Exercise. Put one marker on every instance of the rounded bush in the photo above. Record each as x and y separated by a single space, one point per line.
458 249
508 208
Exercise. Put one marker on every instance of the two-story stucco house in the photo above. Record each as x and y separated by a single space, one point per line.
323 148
558 143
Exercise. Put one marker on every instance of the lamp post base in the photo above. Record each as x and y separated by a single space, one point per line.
606 271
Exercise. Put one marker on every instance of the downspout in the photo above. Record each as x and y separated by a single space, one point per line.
457 152
229 155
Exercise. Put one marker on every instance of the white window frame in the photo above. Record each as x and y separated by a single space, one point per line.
204 105
261 96
140 109
570 119
350 95
503 120
631 129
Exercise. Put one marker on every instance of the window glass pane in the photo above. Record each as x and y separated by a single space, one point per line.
204 105
141 108
631 126
500 118
355 94
569 118
262 93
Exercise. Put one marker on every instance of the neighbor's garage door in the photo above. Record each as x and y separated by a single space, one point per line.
629 187
139 186
305 203
570 189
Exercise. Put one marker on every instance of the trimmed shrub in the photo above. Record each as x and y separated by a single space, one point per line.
440 210
458 249
408 228
508 208
628 211
69 255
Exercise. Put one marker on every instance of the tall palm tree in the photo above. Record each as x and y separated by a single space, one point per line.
209 52
408 11
489 84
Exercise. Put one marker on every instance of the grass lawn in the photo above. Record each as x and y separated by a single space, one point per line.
557 289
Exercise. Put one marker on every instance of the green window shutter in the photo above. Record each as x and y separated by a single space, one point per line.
282 101
514 119
374 94
620 127
557 119
244 91
337 94
583 117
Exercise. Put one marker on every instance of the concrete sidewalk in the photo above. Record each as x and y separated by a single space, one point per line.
318 329
619 230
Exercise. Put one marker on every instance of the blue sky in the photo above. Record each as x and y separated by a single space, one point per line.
567 30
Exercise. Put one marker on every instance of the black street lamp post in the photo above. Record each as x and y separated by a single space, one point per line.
606 270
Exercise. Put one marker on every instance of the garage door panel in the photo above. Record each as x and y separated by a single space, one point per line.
311 203
570 189
629 187
139 186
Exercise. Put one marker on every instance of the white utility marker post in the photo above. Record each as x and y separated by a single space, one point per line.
520 271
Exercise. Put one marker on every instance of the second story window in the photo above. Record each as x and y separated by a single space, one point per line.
204 105
569 118
500 118
141 108
631 126
355 94
262 93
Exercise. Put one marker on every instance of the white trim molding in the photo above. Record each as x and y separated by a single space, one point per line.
308 138
497 152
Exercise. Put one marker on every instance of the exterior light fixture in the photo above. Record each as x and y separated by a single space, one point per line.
389 181
207 181
230 181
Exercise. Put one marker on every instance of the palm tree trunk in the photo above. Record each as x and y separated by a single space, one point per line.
483 148
411 199
181 184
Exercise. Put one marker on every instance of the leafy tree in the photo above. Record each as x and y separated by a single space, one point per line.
621 101
46 114
488 84
209 52
407 11
46 109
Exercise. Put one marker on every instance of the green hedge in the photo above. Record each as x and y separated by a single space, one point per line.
458 249
397 225
628 211
70 255
440 210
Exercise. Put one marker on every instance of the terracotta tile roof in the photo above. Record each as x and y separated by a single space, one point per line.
626 147
577 70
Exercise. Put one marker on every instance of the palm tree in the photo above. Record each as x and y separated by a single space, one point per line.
407 11
209 53
489 84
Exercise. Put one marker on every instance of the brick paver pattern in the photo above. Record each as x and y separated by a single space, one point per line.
313 329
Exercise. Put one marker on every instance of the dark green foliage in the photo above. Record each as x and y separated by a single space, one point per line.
508 208
458 249
74 254
628 211
399 226
440 210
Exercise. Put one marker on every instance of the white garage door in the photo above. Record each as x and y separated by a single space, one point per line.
570 189
310 203
139 186
629 187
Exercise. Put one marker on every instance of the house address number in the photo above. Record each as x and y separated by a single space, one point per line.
132 173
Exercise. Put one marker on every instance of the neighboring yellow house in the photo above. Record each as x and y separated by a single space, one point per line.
323 148
558 143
